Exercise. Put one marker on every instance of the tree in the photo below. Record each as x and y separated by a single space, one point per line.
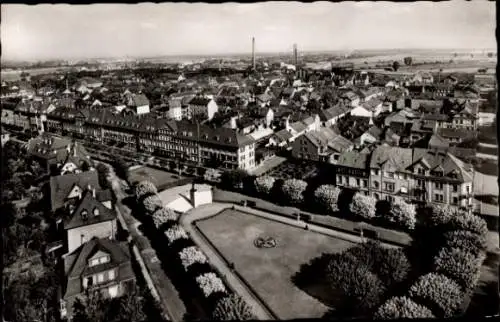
395 65
174 233
439 293
466 241
164 215
210 283
191 255
361 289
234 179
363 206
439 216
408 61
232 308
463 267
402 307
393 267
103 172
121 167
402 214
264 185
326 196
293 190
469 222
152 203
144 188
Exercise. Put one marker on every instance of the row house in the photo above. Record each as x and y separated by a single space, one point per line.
351 171
202 108
322 145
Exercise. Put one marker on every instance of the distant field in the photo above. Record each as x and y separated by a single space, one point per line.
269 271
15 75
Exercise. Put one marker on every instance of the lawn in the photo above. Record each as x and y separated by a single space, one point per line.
161 179
294 170
269 271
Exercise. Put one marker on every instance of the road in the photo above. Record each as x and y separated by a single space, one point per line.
169 297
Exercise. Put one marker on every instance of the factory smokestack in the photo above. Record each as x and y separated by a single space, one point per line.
295 58
253 53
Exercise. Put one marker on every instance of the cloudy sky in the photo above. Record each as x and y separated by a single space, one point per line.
113 30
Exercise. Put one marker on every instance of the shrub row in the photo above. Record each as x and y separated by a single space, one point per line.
227 306
326 199
455 270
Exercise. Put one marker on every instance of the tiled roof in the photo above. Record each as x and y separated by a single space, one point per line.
283 135
448 162
87 204
398 158
298 126
220 136
140 100
60 186
353 159
199 101
455 133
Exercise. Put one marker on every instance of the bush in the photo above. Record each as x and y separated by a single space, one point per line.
463 267
264 185
439 216
327 196
232 308
163 215
363 206
191 255
466 241
175 233
402 214
470 222
210 283
144 188
360 289
293 190
439 293
402 307
152 203
394 266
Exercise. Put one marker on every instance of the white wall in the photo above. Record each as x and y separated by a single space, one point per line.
100 230
144 109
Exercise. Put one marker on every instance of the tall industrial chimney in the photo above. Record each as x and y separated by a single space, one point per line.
295 58
253 53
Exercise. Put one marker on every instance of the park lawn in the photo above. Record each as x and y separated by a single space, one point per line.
158 177
269 271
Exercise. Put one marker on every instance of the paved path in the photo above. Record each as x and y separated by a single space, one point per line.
169 297
186 220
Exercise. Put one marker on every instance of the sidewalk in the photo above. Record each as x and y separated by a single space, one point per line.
169 297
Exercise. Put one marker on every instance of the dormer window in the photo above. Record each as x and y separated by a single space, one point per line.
95 212
84 214
99 260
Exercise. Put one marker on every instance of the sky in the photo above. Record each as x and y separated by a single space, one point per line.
145 30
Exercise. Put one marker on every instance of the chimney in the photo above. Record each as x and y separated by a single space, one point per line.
253 53
295 57
74 150
93 192
233 122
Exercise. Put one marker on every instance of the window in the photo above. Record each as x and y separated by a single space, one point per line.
420 171
111 275
376 184
100 278
438 185
389 186
96 211
357 182
404 190
455 188
103 259
84 214
438 197
375 172
455 201
365 183
467 188
339 179
389 174
420 183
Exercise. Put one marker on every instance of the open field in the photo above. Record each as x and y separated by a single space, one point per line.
269 271
158 177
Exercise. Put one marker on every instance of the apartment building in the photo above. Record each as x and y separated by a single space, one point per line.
415 175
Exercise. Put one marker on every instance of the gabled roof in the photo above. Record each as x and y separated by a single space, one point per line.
283 135
298 126
375 131
200 101
77 266
395 157
88 203
60 186
446 160
354 159
139 100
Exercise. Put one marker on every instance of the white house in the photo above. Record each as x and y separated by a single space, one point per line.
175 109
139 103
370 108
202 106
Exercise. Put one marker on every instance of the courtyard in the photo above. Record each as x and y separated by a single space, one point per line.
161 179
269 271
294 169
